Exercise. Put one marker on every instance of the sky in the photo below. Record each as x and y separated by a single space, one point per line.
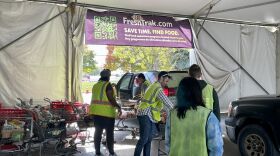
100 53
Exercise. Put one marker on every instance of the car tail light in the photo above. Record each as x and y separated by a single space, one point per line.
169 91
232 110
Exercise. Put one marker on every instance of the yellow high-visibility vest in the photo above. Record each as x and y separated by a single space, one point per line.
146 83
150 100
100 104
188 135
207 95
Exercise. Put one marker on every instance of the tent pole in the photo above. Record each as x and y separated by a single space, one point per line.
206 7
234 60
72 5
238 22
67 54
12 42
277 63
49 1
210 8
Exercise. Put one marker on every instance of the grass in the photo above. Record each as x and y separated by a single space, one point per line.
87 86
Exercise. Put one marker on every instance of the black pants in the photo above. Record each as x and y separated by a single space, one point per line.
108 124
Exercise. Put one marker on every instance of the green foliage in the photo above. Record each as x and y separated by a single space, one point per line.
180 60
89 64
142 58
87 86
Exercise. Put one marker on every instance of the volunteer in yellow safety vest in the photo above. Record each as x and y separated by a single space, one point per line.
140 86
210 96
192 129
143 83
103 109
148 112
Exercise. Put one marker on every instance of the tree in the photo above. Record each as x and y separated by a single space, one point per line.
110 59
180 59
89 64
142 58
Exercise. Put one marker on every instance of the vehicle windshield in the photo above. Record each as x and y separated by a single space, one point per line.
177 76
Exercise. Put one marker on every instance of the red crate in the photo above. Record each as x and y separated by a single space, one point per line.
13 112
10 112
67 106
57 105
9 147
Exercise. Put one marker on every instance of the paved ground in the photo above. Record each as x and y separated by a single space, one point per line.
125 144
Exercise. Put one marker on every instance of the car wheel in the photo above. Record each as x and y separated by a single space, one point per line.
254 141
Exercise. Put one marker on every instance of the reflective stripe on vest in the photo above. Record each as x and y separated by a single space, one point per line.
100 104
147 84
188 135
207 95
150 100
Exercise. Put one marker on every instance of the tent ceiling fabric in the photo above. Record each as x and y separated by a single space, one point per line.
263 11
184 7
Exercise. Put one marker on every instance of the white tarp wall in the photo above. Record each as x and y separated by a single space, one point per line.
35 66
251 46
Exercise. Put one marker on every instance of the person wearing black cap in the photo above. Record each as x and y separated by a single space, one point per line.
148 112
103 109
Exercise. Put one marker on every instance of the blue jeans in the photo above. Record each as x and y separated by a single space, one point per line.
147 128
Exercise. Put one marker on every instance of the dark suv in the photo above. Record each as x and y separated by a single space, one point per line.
254 124
126 86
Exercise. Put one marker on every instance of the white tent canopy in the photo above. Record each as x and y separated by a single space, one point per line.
238 54
257 11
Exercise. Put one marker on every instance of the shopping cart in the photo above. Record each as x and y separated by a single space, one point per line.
20 132
161 139
128 120
49 127
70 111
75 115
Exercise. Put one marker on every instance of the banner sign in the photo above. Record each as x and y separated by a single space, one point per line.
114 28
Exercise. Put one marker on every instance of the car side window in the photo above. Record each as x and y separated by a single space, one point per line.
125 82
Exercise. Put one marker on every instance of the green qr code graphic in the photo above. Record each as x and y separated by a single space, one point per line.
105 27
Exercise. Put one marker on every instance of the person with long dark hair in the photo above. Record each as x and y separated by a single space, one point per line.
209 94
192 129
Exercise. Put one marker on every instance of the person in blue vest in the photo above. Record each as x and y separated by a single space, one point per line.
149 112
209 94
103 109
192 129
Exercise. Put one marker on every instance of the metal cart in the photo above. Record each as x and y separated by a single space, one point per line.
18 140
